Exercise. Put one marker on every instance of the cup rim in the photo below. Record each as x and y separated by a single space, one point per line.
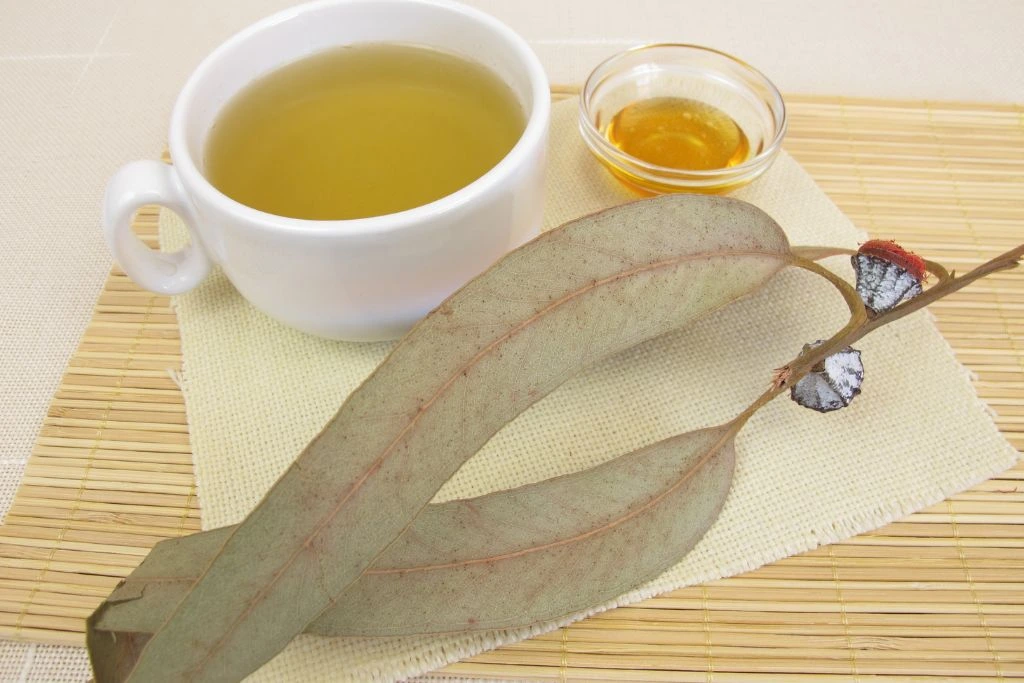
685 176
533 133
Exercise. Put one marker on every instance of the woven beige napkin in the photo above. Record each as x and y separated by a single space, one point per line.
256 392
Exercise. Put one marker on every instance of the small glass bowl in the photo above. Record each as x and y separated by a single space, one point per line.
688 71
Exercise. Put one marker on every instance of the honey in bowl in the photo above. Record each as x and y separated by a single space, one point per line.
679 133
681 118
361 131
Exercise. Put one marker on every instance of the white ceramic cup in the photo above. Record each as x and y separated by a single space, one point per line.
362 279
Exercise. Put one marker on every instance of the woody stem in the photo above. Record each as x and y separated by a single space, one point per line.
860 324
803 363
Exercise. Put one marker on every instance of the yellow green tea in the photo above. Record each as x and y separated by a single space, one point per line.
361 131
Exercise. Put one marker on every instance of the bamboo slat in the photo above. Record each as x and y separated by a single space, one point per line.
110 474
938 594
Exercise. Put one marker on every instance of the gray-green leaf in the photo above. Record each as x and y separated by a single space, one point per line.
574 295
507 559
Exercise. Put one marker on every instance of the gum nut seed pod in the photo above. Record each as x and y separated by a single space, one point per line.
887 274
831 384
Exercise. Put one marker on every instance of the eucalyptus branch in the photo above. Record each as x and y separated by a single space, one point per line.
216 605
862 324
804 363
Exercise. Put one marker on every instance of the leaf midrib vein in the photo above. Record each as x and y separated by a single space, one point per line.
713 450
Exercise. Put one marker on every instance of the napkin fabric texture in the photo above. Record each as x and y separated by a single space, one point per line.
257 391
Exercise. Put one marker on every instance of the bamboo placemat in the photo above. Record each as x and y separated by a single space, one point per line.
940 593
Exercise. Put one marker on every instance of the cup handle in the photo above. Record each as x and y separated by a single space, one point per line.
133 186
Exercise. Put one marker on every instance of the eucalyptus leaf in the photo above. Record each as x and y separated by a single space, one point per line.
508 559
576 294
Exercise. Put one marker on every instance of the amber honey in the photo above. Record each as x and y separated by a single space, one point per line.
679 133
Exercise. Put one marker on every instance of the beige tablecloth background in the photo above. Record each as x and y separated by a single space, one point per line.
87 86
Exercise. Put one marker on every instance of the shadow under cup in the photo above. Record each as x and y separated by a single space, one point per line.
369 278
